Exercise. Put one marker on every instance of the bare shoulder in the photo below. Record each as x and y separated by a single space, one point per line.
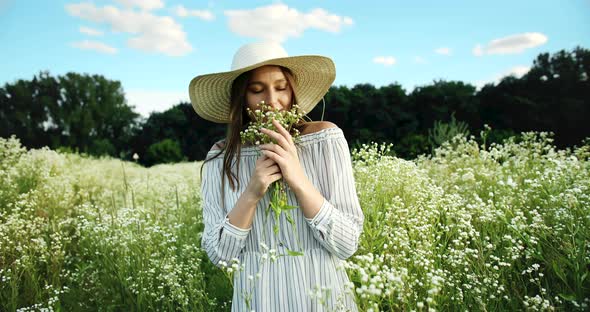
315 126
218 145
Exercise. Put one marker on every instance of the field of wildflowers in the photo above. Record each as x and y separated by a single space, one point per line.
472 227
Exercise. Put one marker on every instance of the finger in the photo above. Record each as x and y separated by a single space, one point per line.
273 169
261 160
280 139
264 161
267 162
267 165
283 131
266 172
275 177
274 156
273 148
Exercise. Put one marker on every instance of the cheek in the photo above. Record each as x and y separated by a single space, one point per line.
286 100
252 100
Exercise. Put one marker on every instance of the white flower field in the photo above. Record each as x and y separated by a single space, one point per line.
471 228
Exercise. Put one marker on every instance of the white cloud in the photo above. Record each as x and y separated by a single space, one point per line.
512 44
151 33
148 101
516 71
95 46
478 50
420 60
90 31
142 4
278 22
385 60
206 15
443 51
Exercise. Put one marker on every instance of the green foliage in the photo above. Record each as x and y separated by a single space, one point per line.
552 96
443 132
165 151
437 101
583 152
179 123
87 113
412 145
76 110
502 227
78 234
500 136
102 147
472 227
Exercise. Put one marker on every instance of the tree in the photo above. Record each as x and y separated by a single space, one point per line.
439 100
165 151
25 110
94 108
553 96
89 113
180 123
81 112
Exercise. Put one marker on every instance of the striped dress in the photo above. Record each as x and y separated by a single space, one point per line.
271 280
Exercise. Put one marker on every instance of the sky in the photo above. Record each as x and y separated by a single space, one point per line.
155 47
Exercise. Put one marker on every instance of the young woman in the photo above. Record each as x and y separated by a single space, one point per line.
317 171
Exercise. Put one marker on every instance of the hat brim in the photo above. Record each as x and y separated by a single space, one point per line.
313 74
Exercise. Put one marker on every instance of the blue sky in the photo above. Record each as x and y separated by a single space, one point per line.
155 47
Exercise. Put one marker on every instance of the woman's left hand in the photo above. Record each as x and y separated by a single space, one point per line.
284 153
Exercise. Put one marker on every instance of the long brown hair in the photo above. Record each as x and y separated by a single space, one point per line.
239 121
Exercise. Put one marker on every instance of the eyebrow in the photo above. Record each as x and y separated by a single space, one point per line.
262 83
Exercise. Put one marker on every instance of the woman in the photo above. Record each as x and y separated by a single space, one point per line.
317 171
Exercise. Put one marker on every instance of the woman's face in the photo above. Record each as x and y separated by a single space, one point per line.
269 84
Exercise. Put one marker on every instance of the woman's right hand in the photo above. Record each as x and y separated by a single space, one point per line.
266 172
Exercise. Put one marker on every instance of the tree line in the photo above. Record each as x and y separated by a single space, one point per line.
89 113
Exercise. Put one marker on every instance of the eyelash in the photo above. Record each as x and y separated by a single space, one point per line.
258 91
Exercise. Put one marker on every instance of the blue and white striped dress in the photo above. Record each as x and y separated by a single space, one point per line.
332 235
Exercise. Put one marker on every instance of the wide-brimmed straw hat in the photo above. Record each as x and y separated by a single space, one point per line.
313 75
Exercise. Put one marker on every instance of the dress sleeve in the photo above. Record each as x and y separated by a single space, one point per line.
339 222
221 240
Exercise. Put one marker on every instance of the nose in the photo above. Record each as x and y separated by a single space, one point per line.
273 99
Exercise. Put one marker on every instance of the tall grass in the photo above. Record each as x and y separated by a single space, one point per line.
78 233
472 227
504 227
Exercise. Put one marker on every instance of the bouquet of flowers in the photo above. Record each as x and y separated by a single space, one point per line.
262 118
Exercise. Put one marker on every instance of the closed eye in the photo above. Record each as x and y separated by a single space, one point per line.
282 87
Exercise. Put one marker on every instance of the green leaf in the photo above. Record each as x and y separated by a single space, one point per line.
568 297
290 219
294 253
558 271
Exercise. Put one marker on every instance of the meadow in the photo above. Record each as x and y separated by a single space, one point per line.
473 227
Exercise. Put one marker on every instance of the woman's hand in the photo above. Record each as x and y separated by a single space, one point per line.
284 153
265 173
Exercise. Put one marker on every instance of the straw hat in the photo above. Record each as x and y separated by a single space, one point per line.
313 75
